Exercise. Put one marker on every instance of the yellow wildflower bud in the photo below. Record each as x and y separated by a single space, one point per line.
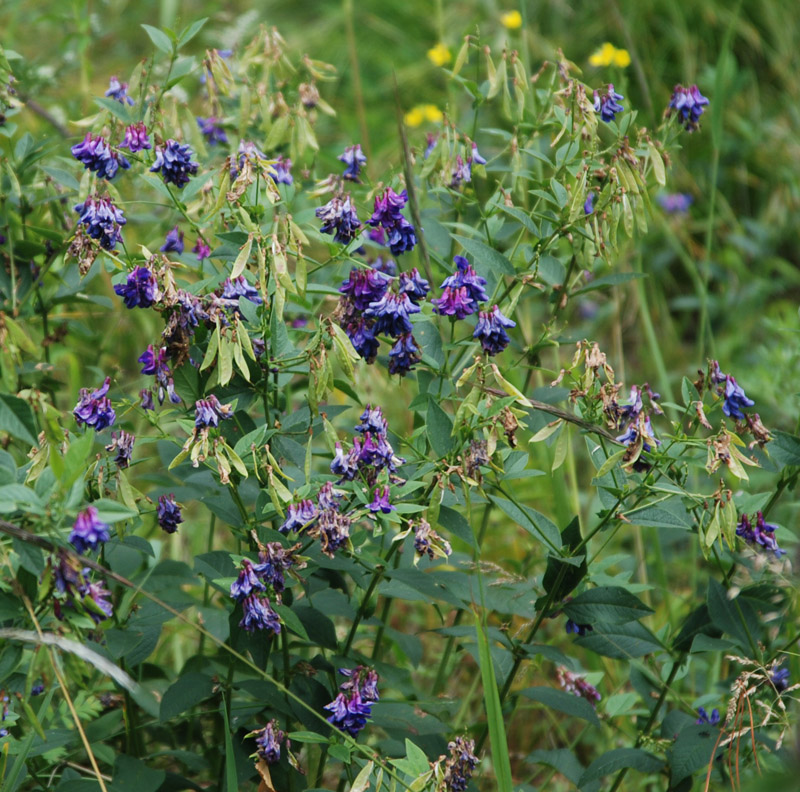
511 19
439 55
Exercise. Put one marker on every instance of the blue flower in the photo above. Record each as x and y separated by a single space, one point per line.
372 420
476 157
174 242
123 445
380 502
762 533
339 218
354 158
688 104
352 707
454 302
588 204
269 741
491 330
414 285
94 409
259 615
462 172
135 138
100 608
208 412
705 718
361 333
146 396
364 286
247 583
102 219
174 161
299 515
202 250
98 157
675 203
119 91
391 314
387 214
211 130
346 465
426 540
735 399
169 514
430 143
273 561
140 290
607 103
333 529
155 364
232 290
466 276
404 355
88 532
780 678
283 171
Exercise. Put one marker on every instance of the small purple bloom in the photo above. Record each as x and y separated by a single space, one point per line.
762 533
273 561
346 465
123 445
169 514
414 285
387 214
491 330
94 409
675 203
364 286
208 412
212 130
361 333
578 629
174 242
102 219
404 355
705 718
380 503
299 515
689 104
98 157
202 250
462 172
327 497
155 364
339 218
333 529
588 205
430 143
136 138
232 290
283 171
269 741
174 161
247 583
391 314
426 540
352 707
98 595
372 420
735 399
354 158
454 302
119 91
146 396
466 276
607 103
88 532
140 290
259 615
476 157
37 690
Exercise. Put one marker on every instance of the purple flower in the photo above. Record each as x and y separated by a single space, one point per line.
578 629
705 718
123 445
430 143
354 158
232 290
100 608
426 540
135 138
735 399
269 741
372 420
573 683
202 250
462 172
259 615
146 396
414 285
466 276
94 409
607 104
140 289
491 330
208 411
273 561
212 130
460 765
391 314
283 170
169 514
98 157
387 214
300 514
476 157
102 219
339 218
380 502
454 302
588 205
364 286
688 103
352 707
174 161
327 497
780 678
247 583
404 355
762 533
119 91
381 264
174 242
155 364
88 532
361 333
334 531
675 203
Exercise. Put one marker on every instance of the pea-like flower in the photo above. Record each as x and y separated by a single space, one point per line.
404 355
606 102
380 502
364 286
460 765
212 130
688 104
169 514
201 249
391 314
283 171
354 159
414 285
119 91
387 213
428 541
122 443
577 685
361 333
136 138
247 583
340 219
352 707
704 718
97 156
89 531
675 203
259 615
102 219
140 289
269 741
233 289
299 515
208 412
174 162
173 242
780 678
94 409
761 534
491 330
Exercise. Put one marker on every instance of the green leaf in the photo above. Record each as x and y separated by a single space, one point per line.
494 712
111 511
620 641
784 448
564 702
291 620
190 32
117 109
307 737
669 514
185 693
64 178
439 428
562 575
608 604
231 777
692 750
133 775
734 616
483 254
607 281
159 38
534 523
16 418
617 759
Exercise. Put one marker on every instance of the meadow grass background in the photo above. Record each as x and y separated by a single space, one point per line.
736 248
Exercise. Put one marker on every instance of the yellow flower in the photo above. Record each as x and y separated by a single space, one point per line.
439 55
608 54
511 19
432 113
415 116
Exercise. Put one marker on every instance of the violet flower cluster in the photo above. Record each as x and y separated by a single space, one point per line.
168 514
635 418
102 219
606 102
428 541
136 138
462 167
269 740
688 104
460 765
387 213
352 707
212 130
122 444
97 156
339 218
73 587
354 159
140 289
759 532
155 364
89 531
174 162
94 408
577 685
731 391
323 520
